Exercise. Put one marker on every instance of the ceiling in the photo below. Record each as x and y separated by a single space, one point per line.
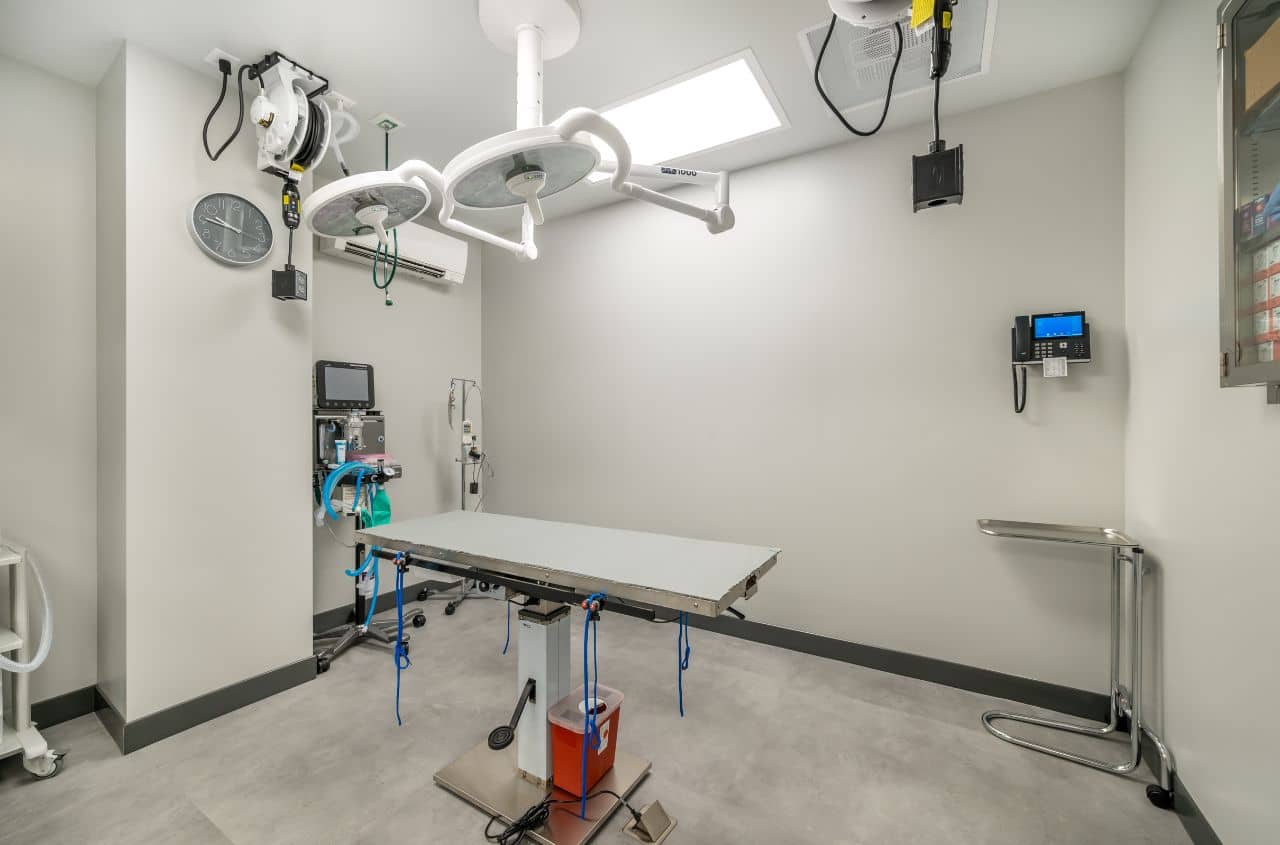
428 63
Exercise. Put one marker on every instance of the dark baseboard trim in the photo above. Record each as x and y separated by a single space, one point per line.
130 736
1193 821
1075 702
65 707
110 718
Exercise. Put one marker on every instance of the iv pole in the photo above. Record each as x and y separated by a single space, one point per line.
464 461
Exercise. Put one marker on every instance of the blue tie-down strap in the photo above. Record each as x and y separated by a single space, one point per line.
507 644
590 693
401 653
683 650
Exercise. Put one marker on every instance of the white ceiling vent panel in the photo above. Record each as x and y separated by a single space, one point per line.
856 69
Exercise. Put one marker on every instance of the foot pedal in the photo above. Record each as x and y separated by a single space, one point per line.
653 827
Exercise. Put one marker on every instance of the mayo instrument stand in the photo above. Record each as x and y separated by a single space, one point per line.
18 735
1126 704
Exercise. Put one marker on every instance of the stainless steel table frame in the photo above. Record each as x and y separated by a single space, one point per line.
556 565
1125 702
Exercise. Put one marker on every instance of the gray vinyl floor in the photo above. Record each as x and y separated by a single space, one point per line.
776 747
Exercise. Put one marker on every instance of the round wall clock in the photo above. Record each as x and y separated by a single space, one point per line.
230 229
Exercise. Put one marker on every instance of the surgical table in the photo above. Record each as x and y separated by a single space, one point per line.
556 565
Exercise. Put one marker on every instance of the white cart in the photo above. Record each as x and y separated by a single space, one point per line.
17 733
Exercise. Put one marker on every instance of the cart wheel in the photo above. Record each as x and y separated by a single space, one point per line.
1162 798
419 620
404 649
55 766
484 586
322 664
450 608
424 594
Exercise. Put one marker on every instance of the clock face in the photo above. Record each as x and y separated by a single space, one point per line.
230 228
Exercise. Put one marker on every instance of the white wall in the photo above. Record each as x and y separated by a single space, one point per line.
832 377
431 334
110 422
47 314
218 538
1201 466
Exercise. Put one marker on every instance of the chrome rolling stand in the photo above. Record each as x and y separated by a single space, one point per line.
1126 704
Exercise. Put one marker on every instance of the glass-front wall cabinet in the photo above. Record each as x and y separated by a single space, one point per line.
1249 51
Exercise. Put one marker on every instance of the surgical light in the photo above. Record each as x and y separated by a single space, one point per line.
517 168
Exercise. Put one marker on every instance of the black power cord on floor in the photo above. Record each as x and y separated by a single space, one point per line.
537 815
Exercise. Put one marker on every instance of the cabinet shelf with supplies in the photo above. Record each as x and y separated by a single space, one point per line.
1249 93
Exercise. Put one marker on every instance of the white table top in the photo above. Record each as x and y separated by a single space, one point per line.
697 576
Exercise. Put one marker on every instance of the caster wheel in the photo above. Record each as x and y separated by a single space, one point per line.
449 609
419 620
423 595
54 768
404 649
322 665
484 586
1162 798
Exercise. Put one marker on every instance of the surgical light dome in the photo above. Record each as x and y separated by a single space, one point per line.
517 168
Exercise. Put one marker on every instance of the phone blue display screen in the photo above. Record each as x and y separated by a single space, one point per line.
1066 325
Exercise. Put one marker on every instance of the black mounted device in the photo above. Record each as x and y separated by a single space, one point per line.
343 386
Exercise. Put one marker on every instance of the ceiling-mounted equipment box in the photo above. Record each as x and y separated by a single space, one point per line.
856 69
423 252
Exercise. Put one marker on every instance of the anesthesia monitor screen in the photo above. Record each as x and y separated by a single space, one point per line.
346 384
1059 325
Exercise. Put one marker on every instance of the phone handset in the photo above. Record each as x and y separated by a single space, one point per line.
1021 339
1021 354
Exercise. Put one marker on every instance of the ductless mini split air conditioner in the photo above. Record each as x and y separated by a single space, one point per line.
423 252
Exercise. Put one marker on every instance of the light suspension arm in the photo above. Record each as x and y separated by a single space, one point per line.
718 219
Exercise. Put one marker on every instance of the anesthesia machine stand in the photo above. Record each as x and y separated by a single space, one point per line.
18 735
349 430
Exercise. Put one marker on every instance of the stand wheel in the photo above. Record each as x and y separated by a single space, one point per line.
322 664
1162 798
450 608
419 620
424 594
484 586
53 767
